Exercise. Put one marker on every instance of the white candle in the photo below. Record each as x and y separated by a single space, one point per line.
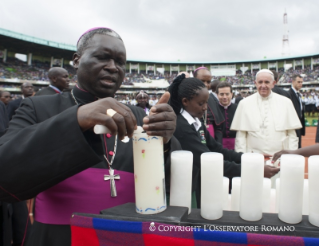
313 179
181 179
266 195
273 201
226 191
150 194
277 194
291 188
251 190
212 170
235 194
305 201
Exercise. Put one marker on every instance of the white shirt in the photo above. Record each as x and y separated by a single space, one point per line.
192 121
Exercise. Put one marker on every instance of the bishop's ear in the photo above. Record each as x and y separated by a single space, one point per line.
76 58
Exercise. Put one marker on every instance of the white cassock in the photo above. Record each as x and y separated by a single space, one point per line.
265 125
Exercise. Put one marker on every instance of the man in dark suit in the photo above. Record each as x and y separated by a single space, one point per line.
297 102
27 91
59 81
238 98
277 89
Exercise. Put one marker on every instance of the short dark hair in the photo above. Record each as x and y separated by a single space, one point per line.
296 76
223 85
214 84
86 37
275 75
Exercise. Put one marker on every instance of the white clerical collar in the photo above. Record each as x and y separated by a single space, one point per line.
55 88
215 95
225 107
210 91
195 121
265 98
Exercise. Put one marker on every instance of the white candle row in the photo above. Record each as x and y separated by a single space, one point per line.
251 194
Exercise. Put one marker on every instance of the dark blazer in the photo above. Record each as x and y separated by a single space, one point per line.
46 91
4 120
238 99
301 115
215 117
280 91
12 107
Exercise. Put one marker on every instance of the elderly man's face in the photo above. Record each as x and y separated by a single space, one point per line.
101 67
264 83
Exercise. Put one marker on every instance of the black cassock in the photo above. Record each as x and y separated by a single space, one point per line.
228 135
199 142
215 118
45 155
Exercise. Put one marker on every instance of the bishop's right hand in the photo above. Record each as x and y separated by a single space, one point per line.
122 123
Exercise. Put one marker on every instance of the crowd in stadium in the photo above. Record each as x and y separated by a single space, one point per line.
15 68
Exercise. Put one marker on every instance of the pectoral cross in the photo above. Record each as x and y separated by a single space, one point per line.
112 178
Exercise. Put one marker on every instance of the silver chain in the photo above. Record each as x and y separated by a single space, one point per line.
115 143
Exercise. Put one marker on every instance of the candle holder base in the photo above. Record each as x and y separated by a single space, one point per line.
172 214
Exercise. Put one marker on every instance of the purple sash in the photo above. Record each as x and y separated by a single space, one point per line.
229 143
85 192
211 131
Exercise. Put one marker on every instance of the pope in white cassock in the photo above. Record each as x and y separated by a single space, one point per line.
265 121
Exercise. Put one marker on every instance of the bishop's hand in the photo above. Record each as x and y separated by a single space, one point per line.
270 171
161 120
122 123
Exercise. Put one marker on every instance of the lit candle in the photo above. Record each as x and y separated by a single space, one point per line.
266 195
181 179
235 194
292 170
313 179
212 170
251 190
226 191
305 202
150 194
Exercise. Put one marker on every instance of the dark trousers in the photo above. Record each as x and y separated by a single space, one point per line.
298 133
